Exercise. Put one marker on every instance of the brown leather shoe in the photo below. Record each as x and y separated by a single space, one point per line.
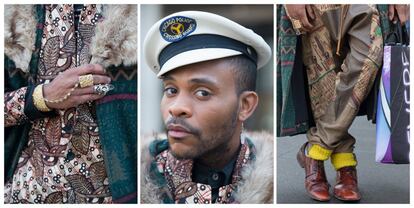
346 188
316 184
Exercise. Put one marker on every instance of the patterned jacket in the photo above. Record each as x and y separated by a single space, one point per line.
254 182
113 46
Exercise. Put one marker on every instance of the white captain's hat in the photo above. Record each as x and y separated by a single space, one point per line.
192 36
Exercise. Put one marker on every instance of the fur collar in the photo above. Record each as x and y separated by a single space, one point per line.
255 188
19 34
114 43
115 40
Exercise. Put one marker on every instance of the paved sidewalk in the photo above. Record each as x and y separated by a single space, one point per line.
378 183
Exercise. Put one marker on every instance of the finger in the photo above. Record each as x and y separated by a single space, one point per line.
403 18
310 11
90 69
288 9
83 91
90 89
92 97
306 24
101 79
402 13
87 97
391 12
97 79
407 13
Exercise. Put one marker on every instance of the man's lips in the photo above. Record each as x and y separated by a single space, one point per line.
177 131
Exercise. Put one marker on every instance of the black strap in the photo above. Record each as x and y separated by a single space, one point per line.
205 41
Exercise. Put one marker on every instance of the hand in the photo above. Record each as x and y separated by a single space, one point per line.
302 12
64 82
400 11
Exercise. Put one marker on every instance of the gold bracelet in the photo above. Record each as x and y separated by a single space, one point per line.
64 97
39 100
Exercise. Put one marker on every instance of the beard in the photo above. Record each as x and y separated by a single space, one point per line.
213 139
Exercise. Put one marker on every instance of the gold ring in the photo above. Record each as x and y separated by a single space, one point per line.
86 80
296 24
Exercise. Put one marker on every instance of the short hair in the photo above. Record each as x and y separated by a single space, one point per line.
245 73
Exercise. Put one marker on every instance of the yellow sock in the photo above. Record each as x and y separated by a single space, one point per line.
317 152
340 160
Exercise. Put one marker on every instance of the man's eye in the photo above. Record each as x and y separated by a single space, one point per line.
203 93
170 91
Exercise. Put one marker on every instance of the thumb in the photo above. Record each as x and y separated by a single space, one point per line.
391 10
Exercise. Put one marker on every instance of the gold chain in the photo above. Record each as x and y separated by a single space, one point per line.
64 97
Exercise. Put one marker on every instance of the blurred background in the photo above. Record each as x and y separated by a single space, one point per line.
259 18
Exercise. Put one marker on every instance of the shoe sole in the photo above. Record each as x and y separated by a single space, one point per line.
317 199
347 200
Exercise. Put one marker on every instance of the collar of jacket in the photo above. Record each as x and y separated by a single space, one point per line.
114 43
257 178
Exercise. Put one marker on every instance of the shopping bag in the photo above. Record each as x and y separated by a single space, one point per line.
393 109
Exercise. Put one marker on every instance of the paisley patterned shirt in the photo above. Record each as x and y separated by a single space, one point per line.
63 161
177 174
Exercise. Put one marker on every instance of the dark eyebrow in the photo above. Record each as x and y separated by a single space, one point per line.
202 81
167 77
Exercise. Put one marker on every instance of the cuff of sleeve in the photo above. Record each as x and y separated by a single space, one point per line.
30 109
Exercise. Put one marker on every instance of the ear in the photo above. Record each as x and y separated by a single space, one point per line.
248 103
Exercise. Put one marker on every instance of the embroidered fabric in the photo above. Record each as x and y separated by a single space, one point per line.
14 109
63 161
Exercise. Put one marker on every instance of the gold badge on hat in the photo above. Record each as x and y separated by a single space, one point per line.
176 28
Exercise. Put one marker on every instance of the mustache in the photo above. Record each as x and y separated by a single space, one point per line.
182 122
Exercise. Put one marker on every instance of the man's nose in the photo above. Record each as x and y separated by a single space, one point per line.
180 107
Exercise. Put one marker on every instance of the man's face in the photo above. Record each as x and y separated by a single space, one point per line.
200 108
